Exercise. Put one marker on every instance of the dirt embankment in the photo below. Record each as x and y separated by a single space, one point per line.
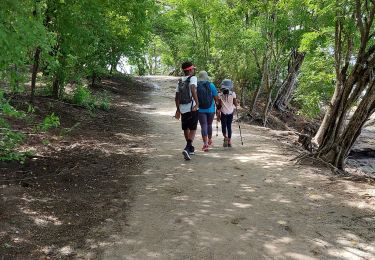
54 205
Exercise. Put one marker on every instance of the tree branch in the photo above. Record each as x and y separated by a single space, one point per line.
256 59
371 16
348 55
359 18
338 29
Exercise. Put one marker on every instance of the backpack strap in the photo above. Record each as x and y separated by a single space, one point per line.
191 94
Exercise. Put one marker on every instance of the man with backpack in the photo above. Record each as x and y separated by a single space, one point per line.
207 97
187 106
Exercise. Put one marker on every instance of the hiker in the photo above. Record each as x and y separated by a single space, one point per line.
227 104
207 98
187 105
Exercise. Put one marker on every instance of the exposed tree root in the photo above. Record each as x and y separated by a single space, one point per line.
314 157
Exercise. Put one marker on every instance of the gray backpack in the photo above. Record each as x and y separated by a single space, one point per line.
184 91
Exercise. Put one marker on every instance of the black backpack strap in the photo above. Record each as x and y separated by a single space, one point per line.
191 97
188 79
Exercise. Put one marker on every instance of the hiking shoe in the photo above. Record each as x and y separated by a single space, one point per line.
186 155
205 148
229 145
225 144
210 142
191 150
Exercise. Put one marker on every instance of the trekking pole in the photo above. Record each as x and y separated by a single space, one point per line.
239 126
217 129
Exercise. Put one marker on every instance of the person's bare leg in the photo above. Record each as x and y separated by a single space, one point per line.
191 135
186 134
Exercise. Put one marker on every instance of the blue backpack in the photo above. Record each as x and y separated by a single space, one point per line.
204 93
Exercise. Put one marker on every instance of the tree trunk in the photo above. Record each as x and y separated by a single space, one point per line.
328 115
267 105
242 98
339 150
336 140
34 74
254 99
263 70
55 87
287 88
59 79
93 78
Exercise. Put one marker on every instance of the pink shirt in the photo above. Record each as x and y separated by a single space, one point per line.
227 106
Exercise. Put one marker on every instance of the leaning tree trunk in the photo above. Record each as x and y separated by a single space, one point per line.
268 91
242 98
267 106
287 88
340 149
254 99
336 138
258 90
330 113
34 74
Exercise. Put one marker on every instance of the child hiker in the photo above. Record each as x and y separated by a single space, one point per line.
186 106
227 104
207 98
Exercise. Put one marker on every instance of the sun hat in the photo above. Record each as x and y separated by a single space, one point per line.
203 76
227 83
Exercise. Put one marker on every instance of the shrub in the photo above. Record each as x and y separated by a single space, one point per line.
82 96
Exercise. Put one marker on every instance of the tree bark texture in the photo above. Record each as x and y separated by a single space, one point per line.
34 73
55 87
287 88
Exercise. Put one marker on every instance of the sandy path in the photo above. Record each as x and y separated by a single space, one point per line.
249 202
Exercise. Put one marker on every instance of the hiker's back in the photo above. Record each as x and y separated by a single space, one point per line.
227 101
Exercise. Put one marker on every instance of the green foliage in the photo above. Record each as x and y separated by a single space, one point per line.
83 96
316 83
9 138
77 39
9 141
242 39
102 101
51 121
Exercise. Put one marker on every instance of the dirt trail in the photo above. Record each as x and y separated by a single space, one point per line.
114 185
249 202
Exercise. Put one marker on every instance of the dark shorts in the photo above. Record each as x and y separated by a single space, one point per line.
189 120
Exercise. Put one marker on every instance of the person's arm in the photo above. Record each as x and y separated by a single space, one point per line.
218 110
195 97
216 98
177 101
